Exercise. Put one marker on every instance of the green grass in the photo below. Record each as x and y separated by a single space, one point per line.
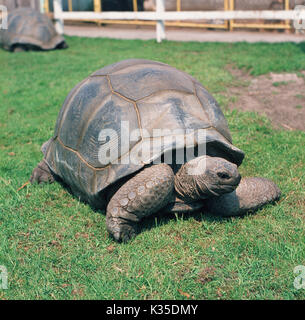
280 83
55 247
300 96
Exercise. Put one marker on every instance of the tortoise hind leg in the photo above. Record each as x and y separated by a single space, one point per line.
250 195
142 195
19 48
42 173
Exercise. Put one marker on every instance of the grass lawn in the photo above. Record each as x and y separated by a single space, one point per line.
55 247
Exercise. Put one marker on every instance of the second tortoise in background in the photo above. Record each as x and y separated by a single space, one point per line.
27 30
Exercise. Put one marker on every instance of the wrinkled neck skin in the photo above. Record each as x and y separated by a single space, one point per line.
205 177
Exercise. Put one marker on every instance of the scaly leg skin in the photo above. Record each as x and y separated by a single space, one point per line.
42 173
250 195
143 195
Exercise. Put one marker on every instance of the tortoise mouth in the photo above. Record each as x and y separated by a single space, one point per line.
231 179
225 187
230 184
218 189
229 187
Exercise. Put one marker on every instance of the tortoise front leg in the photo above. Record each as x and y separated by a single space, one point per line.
144 194
42 173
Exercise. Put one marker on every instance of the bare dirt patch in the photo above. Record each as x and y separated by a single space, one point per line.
281 97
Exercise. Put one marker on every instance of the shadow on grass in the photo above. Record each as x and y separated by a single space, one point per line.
161 218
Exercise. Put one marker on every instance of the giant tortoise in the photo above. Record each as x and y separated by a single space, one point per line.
28 29
127 140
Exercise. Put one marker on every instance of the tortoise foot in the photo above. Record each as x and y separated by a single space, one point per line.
141 196
122 231
42 174
19 49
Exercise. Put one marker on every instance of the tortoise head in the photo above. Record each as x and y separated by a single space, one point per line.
205 177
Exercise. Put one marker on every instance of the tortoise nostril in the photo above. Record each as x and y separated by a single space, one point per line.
223 175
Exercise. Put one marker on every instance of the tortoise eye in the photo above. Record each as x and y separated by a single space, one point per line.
223 175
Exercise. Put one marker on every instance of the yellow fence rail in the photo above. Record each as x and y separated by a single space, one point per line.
283 25
227 25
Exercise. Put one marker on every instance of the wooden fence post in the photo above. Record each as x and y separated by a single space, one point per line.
59 23
231 21
160 27
287 22
97 7
46 6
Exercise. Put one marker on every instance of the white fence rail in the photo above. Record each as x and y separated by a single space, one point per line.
160 15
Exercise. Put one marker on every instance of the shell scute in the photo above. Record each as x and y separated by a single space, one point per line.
138 81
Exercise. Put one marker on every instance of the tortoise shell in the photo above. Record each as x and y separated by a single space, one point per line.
144 96
29 27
